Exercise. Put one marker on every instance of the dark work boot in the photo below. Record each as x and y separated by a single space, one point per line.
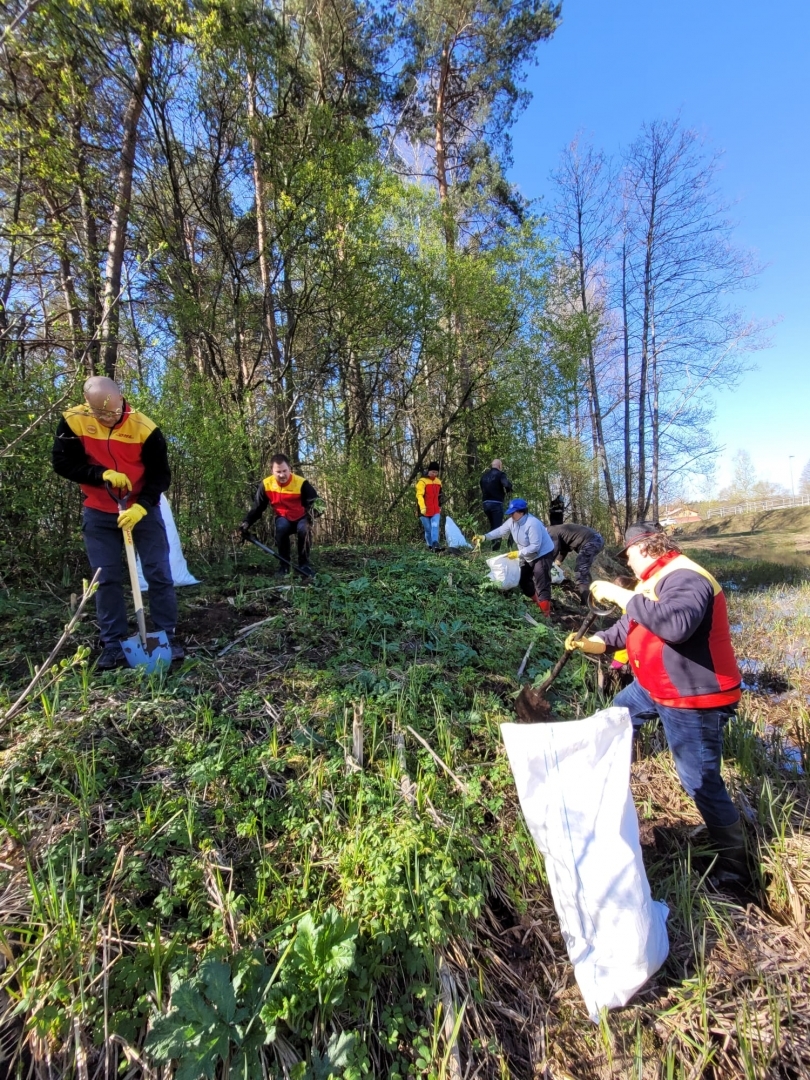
731 867
112 656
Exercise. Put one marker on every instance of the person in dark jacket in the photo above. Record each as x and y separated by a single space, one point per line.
587 543
495 486
107 441
678 640
292 498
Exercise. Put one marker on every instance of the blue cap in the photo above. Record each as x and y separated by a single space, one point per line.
516 504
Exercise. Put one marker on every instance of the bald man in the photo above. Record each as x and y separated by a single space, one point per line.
495 486
107 441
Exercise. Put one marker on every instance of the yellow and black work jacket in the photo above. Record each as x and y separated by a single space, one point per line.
429 496
84 449
291 500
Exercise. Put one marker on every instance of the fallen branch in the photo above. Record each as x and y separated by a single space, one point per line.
246 633
459 783
88 591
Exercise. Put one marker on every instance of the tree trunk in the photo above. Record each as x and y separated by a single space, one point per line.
628 452
645 344
121 209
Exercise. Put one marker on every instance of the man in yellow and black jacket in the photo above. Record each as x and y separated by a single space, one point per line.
292 498
429 500
107 441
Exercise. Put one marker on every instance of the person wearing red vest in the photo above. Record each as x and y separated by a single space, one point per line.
107 441
678 640
429 501
291 498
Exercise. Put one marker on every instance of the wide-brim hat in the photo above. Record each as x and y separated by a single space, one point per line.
639 531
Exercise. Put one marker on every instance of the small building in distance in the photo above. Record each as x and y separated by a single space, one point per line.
679 515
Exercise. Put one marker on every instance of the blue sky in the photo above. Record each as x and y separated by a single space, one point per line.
739 74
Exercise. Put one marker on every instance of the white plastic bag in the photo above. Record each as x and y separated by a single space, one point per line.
181 575
573 781
453 534
505 572
557 574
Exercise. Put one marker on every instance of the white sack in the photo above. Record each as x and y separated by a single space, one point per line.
505 572
573 781
181 575
557 574
453 535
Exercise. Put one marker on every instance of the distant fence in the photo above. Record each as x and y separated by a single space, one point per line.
757 506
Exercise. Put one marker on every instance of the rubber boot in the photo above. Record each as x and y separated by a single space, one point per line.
583 592
544 605
731 867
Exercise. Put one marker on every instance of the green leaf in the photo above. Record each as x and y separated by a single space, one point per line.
216 977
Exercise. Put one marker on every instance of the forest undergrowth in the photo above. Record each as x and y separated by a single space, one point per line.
199 876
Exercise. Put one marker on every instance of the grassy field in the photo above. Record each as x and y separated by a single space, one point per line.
198 878
775 536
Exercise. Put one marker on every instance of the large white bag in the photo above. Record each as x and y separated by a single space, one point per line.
181 575
453 534
505 572
573 780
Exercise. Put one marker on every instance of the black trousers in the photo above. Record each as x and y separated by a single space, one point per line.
494 513
284 531
535 577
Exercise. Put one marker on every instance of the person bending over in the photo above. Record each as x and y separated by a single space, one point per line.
535 549
587 543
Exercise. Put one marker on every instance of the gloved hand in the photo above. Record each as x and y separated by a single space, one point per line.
117 480
240 532
513 554
130 517
593 646
605 592
478 539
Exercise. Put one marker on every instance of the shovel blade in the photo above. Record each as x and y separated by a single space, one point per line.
156 653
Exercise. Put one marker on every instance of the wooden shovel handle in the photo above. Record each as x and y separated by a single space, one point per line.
588 622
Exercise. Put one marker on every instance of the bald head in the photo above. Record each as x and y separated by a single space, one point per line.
497 464
105 399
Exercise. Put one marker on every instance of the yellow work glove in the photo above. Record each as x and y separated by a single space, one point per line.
478 539
605 592
130 517
593 646
118 480
513 554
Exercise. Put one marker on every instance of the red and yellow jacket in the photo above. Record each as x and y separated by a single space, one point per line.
677 636
292 501
429 496
84 449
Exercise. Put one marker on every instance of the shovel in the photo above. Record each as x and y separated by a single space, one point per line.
531 704
144 650
308 573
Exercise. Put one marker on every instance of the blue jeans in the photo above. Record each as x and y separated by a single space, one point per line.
431 527
104 543
494 514
695 737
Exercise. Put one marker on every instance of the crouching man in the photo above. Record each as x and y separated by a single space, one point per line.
676 633
292 498
535 549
